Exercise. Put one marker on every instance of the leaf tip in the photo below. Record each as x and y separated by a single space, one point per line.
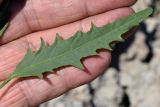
150 10
42 43
40 76
121 39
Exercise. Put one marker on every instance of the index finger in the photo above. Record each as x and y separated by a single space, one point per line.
39 15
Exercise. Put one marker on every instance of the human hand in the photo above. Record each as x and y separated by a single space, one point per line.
45 18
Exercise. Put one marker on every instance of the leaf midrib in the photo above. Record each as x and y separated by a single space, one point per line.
47 60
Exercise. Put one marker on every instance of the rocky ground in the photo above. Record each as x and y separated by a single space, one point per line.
133 80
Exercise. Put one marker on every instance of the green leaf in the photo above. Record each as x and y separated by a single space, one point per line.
70 51
4 16
3 29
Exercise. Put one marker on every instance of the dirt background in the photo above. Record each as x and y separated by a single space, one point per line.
133 79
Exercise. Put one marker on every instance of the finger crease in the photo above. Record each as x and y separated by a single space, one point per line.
26 21
86 8
37 19
28 103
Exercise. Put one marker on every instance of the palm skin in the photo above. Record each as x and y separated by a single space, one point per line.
44 18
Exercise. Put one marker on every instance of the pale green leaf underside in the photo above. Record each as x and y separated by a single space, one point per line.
70 51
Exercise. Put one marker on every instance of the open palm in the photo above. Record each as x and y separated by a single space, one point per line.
32 19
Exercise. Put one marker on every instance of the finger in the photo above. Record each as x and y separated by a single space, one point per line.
44 14
13 52
32 92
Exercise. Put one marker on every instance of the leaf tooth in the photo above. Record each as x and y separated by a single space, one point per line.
78 64
120 39
76 39
78 34
39 76
93 53
42 43
29 52
93 27
58 39
109 47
